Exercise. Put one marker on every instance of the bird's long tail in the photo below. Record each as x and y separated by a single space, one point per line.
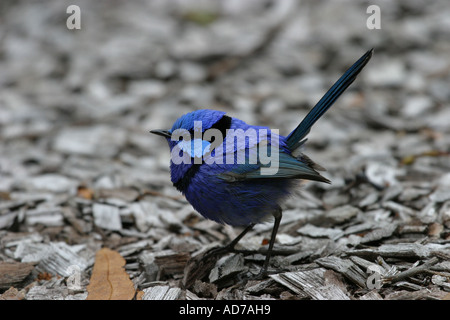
294 139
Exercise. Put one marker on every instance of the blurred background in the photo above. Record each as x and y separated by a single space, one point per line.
93 93
76 105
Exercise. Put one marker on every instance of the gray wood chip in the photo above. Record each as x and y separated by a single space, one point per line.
312 283
371 295
379 233
56 258
100 140
52 182
12 273
106 216
341 214
346 267
161 293
227 267
320 232
402 250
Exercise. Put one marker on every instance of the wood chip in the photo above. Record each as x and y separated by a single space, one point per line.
312 283
12 294
424 293
6 220
379 233
319 232
371 295
56 258
413 271
402 250
161 293
171 262
341 214
346 267
226 268
44 293
12 273
106 216
198 267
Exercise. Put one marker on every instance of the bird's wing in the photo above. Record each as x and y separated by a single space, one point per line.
283 166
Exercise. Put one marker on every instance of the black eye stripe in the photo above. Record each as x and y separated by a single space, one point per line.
223 124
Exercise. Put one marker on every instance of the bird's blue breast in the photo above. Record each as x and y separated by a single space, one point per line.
234 203
238 203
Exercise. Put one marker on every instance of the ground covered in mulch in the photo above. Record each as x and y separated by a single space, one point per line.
79 170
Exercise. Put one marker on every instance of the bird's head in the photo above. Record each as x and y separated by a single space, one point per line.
188 131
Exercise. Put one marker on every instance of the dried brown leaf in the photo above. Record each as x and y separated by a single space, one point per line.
109 281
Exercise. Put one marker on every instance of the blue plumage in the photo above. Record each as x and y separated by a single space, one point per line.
238 174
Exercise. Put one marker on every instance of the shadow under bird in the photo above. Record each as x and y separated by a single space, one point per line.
223 179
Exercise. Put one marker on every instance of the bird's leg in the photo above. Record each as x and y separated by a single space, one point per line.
230 247
210 257
277 215
199 267
233 243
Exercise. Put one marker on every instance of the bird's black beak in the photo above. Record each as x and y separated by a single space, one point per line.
164 133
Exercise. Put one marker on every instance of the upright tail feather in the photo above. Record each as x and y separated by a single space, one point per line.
294 139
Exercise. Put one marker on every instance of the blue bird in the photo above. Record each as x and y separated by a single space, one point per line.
218 163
